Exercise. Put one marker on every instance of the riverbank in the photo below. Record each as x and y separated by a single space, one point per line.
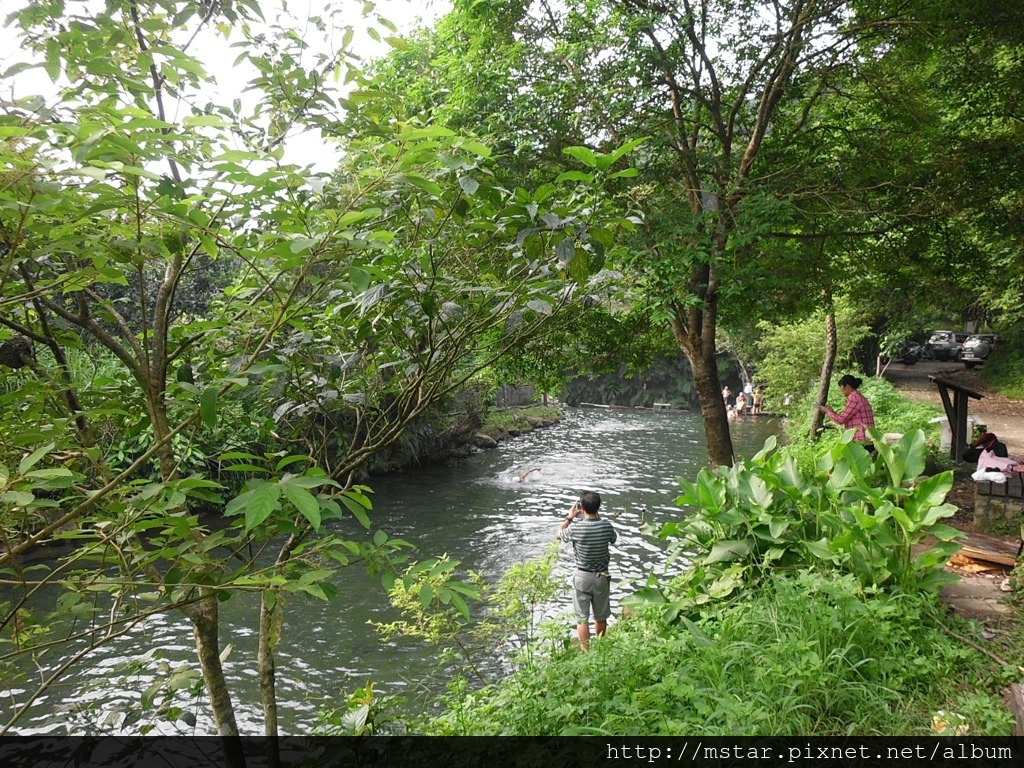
513 422
851 630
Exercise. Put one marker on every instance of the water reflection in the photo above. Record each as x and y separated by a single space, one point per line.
478 511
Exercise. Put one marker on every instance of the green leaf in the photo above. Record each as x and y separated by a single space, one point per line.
645 595
469 185
460 604
481 150
426 595
205 121
261 504
583 154
821 551
586 178
624 150
777 526
424 184
303 244
626 174
354 217
565 249
311 481
208 406
17 498
357 510
287 461
52 62
728 549
34 458
305 502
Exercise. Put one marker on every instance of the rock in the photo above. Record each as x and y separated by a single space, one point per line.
480 440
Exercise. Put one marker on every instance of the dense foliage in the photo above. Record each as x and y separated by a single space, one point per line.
182 305
192 322
808 607
810 655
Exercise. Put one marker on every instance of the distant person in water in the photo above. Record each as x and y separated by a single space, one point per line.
758 399
526 474
857 414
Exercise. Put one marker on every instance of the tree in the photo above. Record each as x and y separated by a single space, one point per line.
351 304
714 84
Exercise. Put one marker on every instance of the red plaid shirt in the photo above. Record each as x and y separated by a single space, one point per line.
856 415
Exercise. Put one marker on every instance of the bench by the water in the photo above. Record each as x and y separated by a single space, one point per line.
1013 488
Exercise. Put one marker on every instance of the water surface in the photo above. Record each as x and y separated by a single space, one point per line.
477 511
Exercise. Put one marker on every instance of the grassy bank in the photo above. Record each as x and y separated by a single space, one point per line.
510 422
804 654
809 608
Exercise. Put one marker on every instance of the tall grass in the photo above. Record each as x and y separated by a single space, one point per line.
809 656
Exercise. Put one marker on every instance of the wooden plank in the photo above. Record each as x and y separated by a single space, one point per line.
956 387
1015 701
990 549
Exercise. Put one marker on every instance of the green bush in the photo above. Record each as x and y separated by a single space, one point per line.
793 352
851 513
1004 371
894 413
811 655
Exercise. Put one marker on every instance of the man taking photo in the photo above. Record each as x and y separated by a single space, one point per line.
590 537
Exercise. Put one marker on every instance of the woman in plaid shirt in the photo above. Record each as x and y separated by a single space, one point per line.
857 414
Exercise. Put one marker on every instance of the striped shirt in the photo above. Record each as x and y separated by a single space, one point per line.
856 415
590 540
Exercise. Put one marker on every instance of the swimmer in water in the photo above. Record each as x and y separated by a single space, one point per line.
524 475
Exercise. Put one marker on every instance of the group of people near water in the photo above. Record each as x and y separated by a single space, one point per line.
749 400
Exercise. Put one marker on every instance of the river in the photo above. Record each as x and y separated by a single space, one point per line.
477 511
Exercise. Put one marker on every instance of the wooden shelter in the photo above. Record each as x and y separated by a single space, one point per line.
956 413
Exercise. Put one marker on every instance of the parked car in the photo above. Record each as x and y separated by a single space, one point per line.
944 345
977 347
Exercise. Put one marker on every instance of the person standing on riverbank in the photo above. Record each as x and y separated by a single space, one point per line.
591 582
857 414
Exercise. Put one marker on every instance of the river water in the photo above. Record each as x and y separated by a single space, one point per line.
475 510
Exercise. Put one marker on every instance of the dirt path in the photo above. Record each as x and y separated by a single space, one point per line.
1002 415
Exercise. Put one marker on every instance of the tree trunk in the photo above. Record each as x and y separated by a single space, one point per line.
265 663
206 629
157 409
831 347
205 615
712 406
709 391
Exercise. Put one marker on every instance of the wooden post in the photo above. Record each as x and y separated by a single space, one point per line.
956 414
960 437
